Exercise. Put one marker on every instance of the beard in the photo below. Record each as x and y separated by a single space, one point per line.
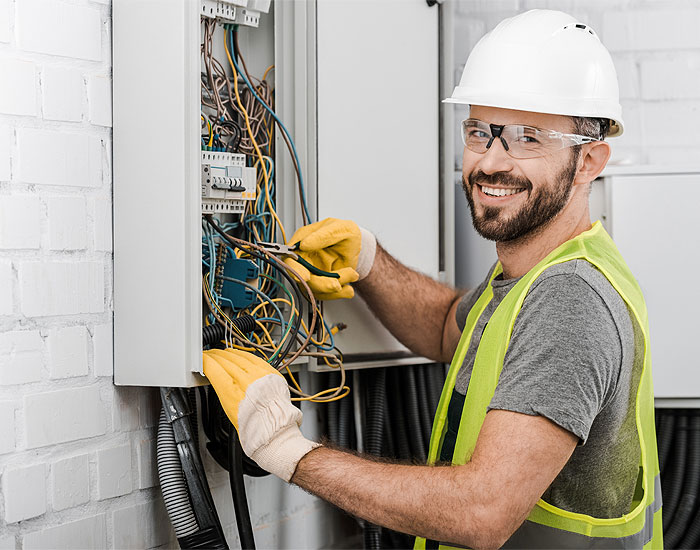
540 208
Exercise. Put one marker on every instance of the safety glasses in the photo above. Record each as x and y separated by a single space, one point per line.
521 142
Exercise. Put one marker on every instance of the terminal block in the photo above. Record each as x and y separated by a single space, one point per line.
227 183
221 9
237 269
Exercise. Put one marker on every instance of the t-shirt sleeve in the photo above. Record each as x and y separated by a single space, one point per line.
564 357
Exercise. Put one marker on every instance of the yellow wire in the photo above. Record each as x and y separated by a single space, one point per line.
255 144
271 67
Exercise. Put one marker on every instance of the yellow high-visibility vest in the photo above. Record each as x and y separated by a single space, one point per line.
548 526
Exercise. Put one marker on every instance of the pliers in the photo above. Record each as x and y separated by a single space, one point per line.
287 250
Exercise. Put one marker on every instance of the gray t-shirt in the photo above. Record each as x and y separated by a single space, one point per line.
574 358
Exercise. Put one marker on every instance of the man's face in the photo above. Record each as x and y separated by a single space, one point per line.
510 198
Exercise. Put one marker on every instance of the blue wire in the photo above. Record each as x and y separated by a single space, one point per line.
265 297
284 128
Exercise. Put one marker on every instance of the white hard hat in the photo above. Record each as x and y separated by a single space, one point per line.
542 61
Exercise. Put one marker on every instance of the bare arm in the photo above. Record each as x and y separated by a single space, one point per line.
478 505
417 310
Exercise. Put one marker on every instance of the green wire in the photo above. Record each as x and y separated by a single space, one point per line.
291 319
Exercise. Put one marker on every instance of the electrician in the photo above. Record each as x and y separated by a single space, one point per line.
544 436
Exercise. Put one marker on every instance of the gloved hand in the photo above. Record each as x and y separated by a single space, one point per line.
340 246
255 398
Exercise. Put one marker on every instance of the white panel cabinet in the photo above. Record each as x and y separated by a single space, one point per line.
378 139
654 222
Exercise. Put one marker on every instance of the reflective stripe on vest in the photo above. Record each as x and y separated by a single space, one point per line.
548 526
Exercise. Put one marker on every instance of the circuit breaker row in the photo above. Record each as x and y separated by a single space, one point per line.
240 12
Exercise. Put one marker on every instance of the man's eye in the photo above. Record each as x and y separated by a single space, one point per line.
478 134
528 139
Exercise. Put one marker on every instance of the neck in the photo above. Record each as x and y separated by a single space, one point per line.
519 256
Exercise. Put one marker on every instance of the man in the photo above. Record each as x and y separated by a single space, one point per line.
545 433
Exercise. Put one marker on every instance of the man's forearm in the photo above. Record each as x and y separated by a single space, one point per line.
411 305
407 498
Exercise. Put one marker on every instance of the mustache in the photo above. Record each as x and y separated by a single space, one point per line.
499 179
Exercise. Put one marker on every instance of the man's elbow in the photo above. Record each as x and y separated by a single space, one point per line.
486 529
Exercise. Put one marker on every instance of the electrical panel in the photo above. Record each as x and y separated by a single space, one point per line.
252 143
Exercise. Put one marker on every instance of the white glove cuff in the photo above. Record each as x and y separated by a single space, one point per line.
282 454
368 250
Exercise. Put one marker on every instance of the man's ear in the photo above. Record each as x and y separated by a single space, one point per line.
594 156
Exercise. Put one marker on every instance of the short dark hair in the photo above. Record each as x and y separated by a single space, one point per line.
597 128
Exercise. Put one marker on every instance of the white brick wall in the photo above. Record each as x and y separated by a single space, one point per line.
656 50
76 453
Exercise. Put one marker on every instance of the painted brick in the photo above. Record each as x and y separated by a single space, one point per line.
149 407
627 76
148 470
103 224
65 415
145 525
89 532
5 152
56 158
17 87
114 472
7 428
467 33
7 542
71 482
61 288
652 29
21 357
125 411
68 352
102 341
63 91
20 221
67 223
25 493
682 116
470 7
58 28
5 34
677 78
6 286
100 100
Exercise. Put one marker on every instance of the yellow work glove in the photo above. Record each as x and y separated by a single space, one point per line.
256 400
338 246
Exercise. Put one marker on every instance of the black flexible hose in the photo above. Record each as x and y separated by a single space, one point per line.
436 380
672 483
240 502
211 334
374 433
689 506
416 441
388 449
403 450
333 411
376 404
426 418
345 423
665 437
172 483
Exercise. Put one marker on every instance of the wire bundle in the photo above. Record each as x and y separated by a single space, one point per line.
238 116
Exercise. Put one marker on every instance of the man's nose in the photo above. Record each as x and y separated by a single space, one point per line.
496 159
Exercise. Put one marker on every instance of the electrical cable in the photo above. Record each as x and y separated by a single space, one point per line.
238 492
290 143
416 441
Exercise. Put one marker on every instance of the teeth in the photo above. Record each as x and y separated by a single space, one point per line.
499 192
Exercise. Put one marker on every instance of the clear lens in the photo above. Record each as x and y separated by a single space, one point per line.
523 141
